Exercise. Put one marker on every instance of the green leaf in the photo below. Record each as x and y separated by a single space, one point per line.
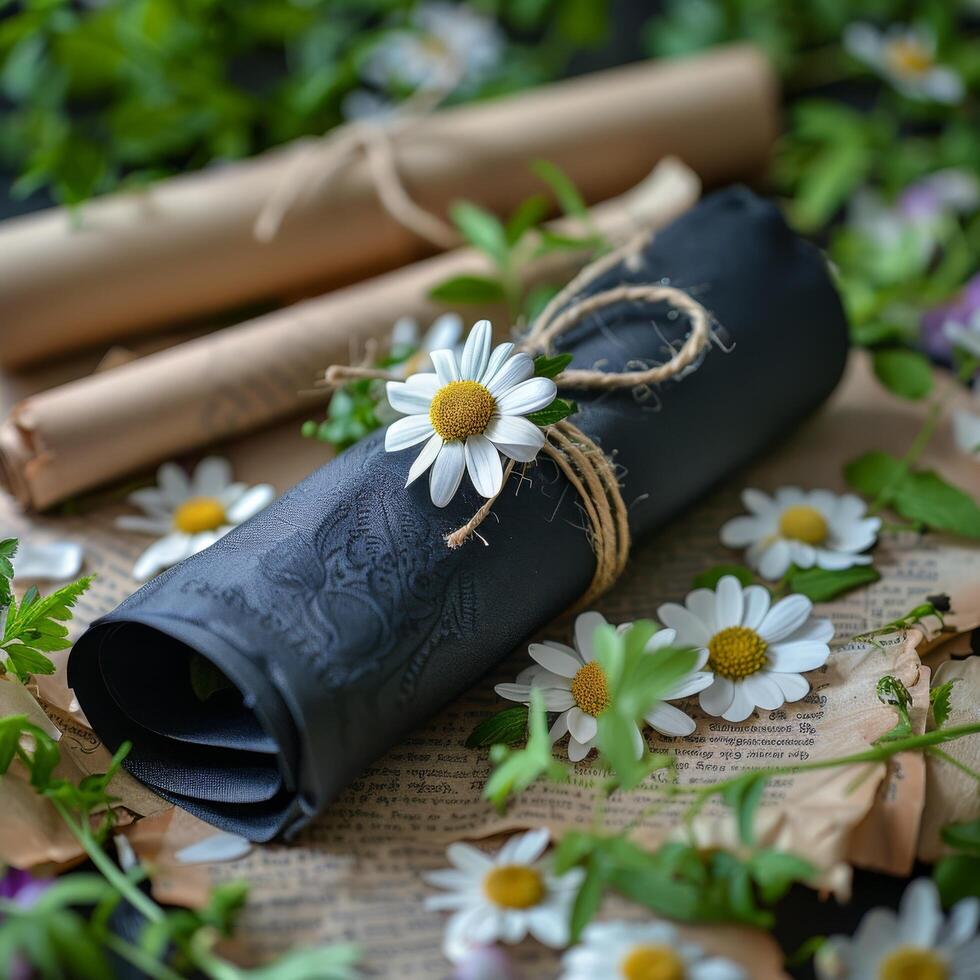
743 797
559 409
891 690
336 962
8 548
589 896
529 213
939 700
822 585
26 661
482 230
507 727
903 372
957 877
963 836
551 367
711 578
468 289
925 497
774 872
564 190
871 473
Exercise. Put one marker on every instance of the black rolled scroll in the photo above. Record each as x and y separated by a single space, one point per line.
340 615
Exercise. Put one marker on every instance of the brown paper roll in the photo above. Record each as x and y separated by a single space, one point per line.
89 431
186 246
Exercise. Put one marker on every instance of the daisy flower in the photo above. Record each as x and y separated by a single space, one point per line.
802 528
637 950
190 514
572 682
446 43
503 897
467 413
919 942
757 653
906 57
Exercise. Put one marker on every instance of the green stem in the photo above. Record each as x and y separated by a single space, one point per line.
962 766
142 960
141 902
919 443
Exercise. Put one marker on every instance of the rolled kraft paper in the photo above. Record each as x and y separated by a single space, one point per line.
186 247
114 422
342 617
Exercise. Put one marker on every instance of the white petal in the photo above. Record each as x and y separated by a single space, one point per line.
447 472
529 396
405 332
408 399
793 686
582 727
742 705
774 561
51 561
836 560
690 684
468 858
150 499
515 437
797 657
476 352
556 657
585 626
577 750
741 531
424 459
500 354
483 465
529 847
690 630
549 925
787 615
444 333
814 630
511 373
204 539
660 639
962 923
919 915
756 600
251 502
728 602
424 384
758 503
555 698
559 728
715 700
943 85
173 483
764 691
703 603
514 692
406 432
864 42
444 361
211 476
216 847
639 744
668 720
162 554
144 525
472 926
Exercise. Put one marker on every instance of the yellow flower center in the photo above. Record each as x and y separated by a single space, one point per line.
589 689
199 514
652 962
514 886
909 963
803 523
736 652
460 409
907 57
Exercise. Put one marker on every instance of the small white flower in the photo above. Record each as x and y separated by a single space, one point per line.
629 950
53 561
802 528
906 57
571 681
919 942
190 514
444 334
966 424
757 653
448 44
467 413
503 897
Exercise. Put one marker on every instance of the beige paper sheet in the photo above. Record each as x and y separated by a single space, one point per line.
185 247
355 873
97 428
